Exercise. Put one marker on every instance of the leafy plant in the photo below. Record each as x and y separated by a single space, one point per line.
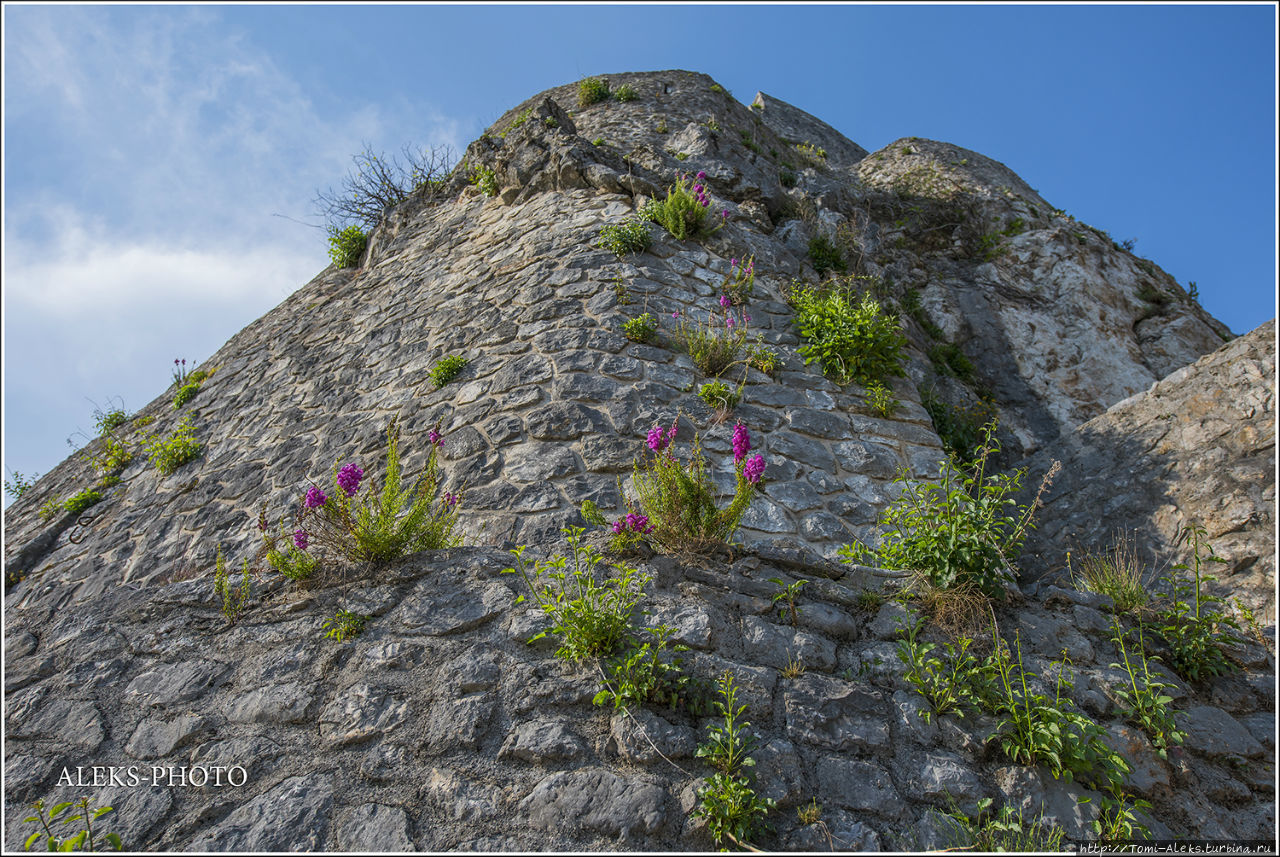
789 592
1034 730
346 246
625 93
344 624
731 807
630 236
64 840
719 396
592 90
646 674
853 341
1142 703
684 212
1118 574
1117 820
810 814
1193 625
715 344
50 509
598 141
762 357
20 484
187 392
881 400
825 255
786 178
170 453
110 420
947 685
233 601
794 667
287 552
379 526
642 328
679 500
959 429
948 359
1004 832
590 614
485 179
740 281
955 529
815 155
83 500
446 369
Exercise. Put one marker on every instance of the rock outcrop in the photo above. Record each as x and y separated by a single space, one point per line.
439 727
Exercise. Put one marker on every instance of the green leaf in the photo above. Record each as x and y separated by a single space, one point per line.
60 808
114 840
32 838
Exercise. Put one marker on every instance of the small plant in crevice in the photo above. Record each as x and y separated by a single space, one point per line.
809 814
648 674
109 420
853 340
446 369
949 360
642 328
232 600
727 801
826 256
178 448
946 684
679 500
1005 831
786 178
1119 574
344 625
1142 701
68 838
624 93
956 529
762 357
685 211
816 156
591 613
51 509
716 344
1117 821
77 503
794 667
741 280
20 484
592 90
630 236
880 399
485 179
720 397
1193 624
959 429
788 593
346 246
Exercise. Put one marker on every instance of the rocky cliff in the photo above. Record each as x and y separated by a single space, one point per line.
439 728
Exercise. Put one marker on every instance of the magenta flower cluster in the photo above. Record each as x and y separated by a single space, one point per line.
699 190
315 498
300 539
349 479
633 522
435 437
741 442
659 438
754 468
450 500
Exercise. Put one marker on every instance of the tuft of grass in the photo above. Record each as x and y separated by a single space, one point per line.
592 90
1119 574
826 256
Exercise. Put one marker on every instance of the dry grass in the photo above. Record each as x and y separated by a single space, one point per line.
958 611
1118 573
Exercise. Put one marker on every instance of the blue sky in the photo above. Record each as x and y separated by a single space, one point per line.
157 158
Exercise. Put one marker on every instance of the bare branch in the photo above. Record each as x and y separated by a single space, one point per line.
379 182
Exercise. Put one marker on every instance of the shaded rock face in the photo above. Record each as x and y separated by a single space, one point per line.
460 735
439 728
1198 446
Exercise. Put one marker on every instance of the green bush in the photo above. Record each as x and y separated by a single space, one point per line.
79 502
592 90
1004 832
630 236
485 179
684 212
344 625
826 256
947 685
881 400
590 613
853 341
719 395
645 674
446 369
180 447
641 328
109 421
1142 702
959 429
625 93
726 800
346 246
955 530
714 345
185 394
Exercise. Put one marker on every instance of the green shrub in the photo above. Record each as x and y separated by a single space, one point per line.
716 344
184 395
287 552
762 357
1192 624
740 282
641 328
108 421
19 485
955 530
1004 832
645 674
679 500
344 625
51 508
854 341
959 429
180 447
787 178
446 369
233 601
948 359
625 93
684 212
1142 702
630 236
378 526
592 90
719 396
881 400
815 155
79 502
485 179
947 685
65 840
726 800
590 613
825 255
346 246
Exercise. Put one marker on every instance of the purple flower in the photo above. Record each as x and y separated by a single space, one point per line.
725 214
657 438
175 361
451 500
435 437
300 539
705 202
741 442
315 498
618 526
733 263
724 301
754 469
701 175
728 322
349 479
697 189
675 314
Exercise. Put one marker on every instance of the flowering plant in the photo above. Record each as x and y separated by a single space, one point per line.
716 344
741 280
377 527
684 212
